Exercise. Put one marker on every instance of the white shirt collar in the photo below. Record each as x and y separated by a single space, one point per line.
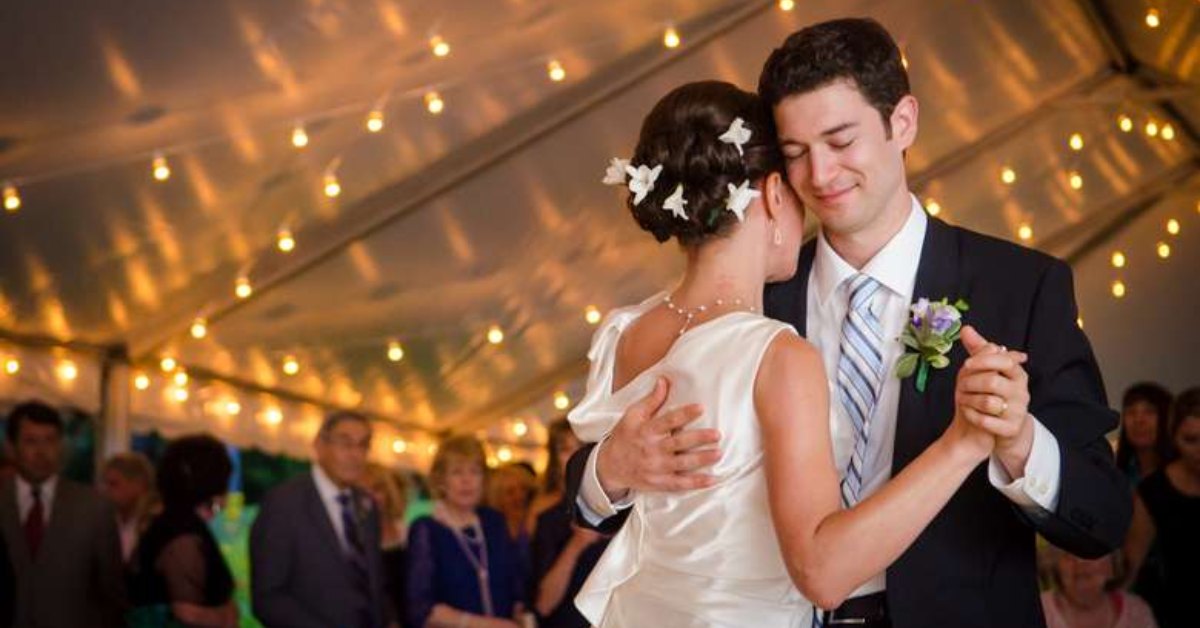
325 486
894 266
25 489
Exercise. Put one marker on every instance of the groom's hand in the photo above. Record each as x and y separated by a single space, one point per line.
993 389
648 451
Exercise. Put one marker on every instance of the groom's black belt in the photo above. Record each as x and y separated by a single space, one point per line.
868 610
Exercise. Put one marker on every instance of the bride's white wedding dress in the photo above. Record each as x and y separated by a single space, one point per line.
696 558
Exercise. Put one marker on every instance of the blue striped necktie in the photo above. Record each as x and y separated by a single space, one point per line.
859 377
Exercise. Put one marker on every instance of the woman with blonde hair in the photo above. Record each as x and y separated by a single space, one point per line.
388 490
127 481
463 569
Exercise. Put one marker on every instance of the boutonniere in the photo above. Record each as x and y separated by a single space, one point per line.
933 328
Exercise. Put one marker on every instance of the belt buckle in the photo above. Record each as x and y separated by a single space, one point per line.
849 621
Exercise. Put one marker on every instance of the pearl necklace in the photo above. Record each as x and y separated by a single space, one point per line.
689 314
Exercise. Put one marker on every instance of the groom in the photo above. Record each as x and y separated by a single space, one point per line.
845 118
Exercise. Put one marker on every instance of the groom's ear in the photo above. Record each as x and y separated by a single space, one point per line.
904 121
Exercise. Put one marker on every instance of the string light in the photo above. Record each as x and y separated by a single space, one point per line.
504 454
439 46
160 168
375 121
199 328
141 381
332 187
12 199
561 400
1173 227
395 352
168 364
1118 259
180 378
434 103
399 446
933 207
68 371
1118 289
1152 128
1164 250
180 394
1076 142
12 366
233 408
787 5
1168 132
1125 123
273 416
1008 175
290 365
520 429
591 315
495 335
299 136
1025 232
1153 20
671 37
556 71
243 289
1076 180
285 241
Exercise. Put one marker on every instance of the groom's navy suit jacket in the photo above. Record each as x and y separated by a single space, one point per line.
974 565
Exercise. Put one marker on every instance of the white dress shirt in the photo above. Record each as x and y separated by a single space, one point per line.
895 268
329 497
25 498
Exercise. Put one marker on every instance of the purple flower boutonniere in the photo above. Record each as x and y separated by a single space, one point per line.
933 328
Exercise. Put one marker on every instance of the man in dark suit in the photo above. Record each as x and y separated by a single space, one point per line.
845 118
315 557
61 536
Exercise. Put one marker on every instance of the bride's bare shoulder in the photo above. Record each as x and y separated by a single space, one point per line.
790 365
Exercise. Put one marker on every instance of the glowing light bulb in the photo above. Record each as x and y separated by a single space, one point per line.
556 71
561 400
290 365
12 366
671 37
1173 227
495 335
12 198
434 103
375 121
787 5
332 187
141 381
160 168
520 429
285 241
1125 123
180 378
1118 289
933 207
199 328
1076 180
439 46
273 416
243 289
395 352
299 136
399 446
504 454
1008 175
592 315
168 364
68 371
233 408
180 394
1168 132
1076 142
1152 128
1118 259
1153 19
1164 250
1025 232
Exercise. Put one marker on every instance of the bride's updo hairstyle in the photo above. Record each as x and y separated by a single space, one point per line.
682 134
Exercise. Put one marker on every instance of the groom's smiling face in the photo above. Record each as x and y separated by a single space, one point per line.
843 161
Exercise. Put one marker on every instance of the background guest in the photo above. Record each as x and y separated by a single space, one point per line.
127 481
61 536
562 554
1144 444
560 444
1086 594
179 576
1167 511
463 568
389 492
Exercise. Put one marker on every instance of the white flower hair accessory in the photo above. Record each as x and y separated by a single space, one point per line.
737 134
615 174
641 180
739 199
675 203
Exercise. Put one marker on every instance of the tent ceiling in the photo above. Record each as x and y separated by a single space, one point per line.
492 213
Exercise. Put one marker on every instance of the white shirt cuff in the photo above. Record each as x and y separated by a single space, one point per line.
593 503
1037 492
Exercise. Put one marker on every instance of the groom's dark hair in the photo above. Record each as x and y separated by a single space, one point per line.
859 50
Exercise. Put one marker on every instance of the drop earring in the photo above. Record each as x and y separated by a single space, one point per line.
778 237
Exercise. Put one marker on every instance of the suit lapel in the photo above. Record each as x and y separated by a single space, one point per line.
14 532
320 518
922 417
61 516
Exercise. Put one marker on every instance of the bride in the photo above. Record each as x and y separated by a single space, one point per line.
770 537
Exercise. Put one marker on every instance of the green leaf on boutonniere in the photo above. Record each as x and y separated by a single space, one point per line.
907 365
939 361
961 305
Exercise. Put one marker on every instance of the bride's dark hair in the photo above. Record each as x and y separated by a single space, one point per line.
681 133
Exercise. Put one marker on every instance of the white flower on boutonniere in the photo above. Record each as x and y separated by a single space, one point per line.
739 199
615 174
737 134
933 328
675 203
641 180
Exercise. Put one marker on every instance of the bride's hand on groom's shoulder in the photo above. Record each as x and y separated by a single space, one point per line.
992 396
649 450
